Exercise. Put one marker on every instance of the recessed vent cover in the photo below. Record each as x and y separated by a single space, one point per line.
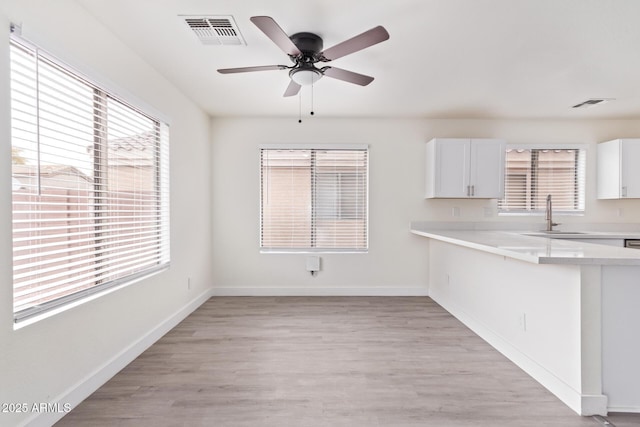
215 30
592 102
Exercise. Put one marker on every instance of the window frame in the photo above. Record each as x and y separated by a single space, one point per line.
314 147
102 95
580 174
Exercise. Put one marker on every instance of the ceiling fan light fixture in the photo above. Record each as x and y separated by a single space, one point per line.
305 76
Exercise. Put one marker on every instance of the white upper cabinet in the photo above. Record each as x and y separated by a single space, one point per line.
618 170
465 168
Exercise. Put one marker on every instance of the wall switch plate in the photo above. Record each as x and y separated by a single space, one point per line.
313 263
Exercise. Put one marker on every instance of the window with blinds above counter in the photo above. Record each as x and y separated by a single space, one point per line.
90 186
314 198
533 173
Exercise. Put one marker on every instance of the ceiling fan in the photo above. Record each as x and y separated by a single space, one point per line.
305 51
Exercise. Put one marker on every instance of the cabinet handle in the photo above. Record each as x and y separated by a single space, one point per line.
624 191
473 190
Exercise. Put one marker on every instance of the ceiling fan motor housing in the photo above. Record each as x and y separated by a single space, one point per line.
308 43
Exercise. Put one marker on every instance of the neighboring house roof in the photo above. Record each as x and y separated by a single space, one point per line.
47 171
136 150
29 177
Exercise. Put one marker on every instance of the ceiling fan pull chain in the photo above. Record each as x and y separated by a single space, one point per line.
312 98
300 107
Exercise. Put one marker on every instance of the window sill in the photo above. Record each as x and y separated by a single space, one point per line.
555 214
314 251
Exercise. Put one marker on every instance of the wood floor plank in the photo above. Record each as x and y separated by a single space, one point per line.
322 361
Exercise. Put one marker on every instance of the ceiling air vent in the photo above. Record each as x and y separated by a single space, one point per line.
215 30
592 102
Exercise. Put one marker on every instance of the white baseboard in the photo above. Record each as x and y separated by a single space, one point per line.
581 404
77 393
630 409
320 292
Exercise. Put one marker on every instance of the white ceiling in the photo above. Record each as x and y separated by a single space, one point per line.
444 58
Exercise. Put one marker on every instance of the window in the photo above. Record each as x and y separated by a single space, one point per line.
313 198
90 186
533 173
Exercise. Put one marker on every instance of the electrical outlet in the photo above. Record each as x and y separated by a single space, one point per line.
189 283
455 211
313 264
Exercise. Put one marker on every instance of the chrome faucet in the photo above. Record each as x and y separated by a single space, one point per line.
549 214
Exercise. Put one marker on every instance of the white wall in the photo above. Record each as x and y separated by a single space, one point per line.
396 262
62 358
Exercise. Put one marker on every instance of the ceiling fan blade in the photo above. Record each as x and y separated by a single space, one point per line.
249 69
359 42
271 29
292 89
347 76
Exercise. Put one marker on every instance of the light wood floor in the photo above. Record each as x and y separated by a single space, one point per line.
312 361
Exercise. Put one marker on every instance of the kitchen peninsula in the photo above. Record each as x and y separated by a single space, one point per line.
563 310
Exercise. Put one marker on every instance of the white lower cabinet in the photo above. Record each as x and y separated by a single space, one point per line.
465 168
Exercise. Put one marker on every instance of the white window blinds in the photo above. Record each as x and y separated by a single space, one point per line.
90 186
313 199
531 174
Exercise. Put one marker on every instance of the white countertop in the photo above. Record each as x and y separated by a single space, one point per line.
587 234
538 250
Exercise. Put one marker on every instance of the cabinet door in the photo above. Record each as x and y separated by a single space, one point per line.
630 173
608 169
487 168
452 167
